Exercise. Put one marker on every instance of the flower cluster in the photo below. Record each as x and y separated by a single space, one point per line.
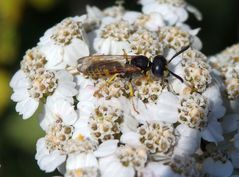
225 154
104 115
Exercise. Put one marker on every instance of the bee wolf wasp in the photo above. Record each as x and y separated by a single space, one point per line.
106 65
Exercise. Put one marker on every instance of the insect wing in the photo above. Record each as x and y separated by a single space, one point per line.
106 65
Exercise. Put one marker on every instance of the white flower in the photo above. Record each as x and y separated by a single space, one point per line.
152 21
113 38
86 161
26 105
103 118
58 121
194 70
177 37
55 110
172 11
162 140
162 108
234 156
176 166
145 42
217 168
93 18
201 112
51 85
46 160
64 44
125 162
230 123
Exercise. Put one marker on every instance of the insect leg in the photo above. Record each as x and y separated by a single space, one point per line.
106 83
126 57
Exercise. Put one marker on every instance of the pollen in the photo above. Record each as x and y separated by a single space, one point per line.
33 63
119 87
185 166
194 54
148 90
66 31
158 138
119 31
196 74
105 123
174 37
57 136
145 42
43 85
193 111
135 157
232 83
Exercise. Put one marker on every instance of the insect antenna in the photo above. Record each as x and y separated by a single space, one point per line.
177 76
179 52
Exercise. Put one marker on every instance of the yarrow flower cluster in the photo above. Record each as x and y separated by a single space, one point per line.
129 94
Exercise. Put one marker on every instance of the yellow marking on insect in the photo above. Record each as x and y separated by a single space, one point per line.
106 83
106 72
131 90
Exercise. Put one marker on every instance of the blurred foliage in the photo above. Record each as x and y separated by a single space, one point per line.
5 90
22 22
11 13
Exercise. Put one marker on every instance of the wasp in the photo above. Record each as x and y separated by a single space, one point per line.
106 65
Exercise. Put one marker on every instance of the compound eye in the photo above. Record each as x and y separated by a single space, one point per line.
141 61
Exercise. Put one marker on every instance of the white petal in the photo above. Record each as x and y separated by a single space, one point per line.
155 22
215 102
74 51
194 11
66 90
129 123
131 16
145 2
196 43
82 128
106 148
60 108
19 80
213 132
66 111
48 162
20 94
54 55
45 118
189 140
114 168
130 138
165 110
230 123
181 14
166 11
155 169
81 160
236 140
234 105
27 107
234 156
217 168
